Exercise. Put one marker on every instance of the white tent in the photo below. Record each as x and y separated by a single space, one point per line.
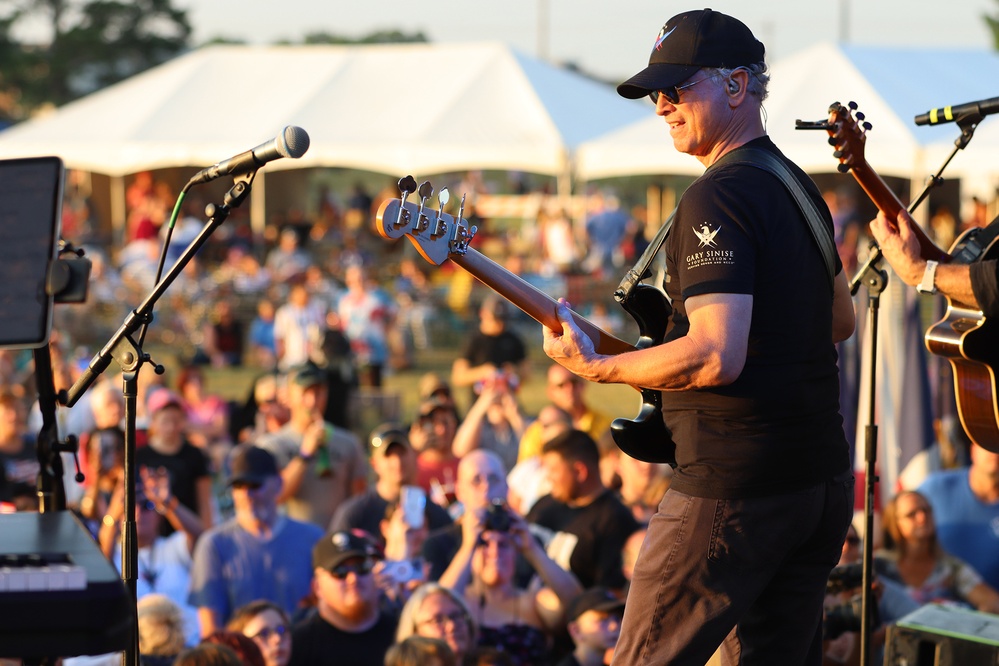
394 109
891 85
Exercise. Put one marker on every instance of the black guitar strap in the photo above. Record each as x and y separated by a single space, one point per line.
760 159
642 269
767 161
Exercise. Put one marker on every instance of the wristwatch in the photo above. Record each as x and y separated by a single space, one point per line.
927 285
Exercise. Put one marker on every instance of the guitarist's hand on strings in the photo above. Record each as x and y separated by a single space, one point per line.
570 348
900 246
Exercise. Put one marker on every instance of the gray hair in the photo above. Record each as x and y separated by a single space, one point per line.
759 77
407 618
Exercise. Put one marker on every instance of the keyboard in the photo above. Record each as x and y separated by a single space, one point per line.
61 597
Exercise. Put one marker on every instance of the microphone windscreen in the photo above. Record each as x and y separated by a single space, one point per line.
294 143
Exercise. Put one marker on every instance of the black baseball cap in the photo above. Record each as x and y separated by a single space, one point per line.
690 41
594 599
340 546
251 464
387 435
306 375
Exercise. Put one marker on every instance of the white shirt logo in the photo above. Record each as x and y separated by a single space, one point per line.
706 236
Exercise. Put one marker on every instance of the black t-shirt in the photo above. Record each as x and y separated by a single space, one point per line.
590 537
777 428
185 467
502 349
367 510
985 285
316 642
440 548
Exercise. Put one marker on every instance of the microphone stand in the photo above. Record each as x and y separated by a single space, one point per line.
876 279
128 354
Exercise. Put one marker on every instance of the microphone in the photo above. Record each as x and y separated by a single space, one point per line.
949 114
292 142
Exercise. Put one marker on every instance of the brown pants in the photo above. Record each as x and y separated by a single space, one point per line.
750 573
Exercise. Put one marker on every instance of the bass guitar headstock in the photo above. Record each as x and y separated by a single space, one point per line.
436 234
848 135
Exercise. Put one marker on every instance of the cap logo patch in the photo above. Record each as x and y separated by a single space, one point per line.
340 540
706 236
663 34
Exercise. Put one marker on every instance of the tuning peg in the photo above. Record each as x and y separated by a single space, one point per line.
461 209
859 115
832 141
838 154
426 190
842 167
852 105
867 126
407 185
442 200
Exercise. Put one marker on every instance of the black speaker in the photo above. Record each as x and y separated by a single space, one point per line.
937 635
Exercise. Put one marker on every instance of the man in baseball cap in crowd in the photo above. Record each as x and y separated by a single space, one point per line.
257 554
594 623
394 462
349 626
744 540
321 465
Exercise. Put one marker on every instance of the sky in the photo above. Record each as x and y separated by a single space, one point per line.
608 38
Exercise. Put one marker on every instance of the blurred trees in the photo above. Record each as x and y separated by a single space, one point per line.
54 51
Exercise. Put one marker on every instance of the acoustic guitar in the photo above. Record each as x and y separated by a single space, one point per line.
964 336
439 236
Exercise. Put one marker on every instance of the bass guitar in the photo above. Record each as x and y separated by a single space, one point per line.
964 336
440 237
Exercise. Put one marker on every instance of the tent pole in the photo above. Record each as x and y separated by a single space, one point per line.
118 212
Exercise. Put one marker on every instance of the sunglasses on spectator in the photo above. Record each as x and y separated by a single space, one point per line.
356 567
266 633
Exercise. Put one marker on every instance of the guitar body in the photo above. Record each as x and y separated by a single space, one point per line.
967 339
646 437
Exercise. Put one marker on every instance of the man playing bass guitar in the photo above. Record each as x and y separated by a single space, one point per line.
742 544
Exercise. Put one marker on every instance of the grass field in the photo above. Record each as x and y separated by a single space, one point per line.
399 397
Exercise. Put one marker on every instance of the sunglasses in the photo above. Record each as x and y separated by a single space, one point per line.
673 92
266 633
358 568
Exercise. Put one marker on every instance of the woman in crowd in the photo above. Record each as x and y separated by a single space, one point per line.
269 627
434 611
519 622
914 558
207 414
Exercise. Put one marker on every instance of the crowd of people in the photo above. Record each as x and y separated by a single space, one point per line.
274 533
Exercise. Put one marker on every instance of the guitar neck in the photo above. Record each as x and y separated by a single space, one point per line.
536 304
888 203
